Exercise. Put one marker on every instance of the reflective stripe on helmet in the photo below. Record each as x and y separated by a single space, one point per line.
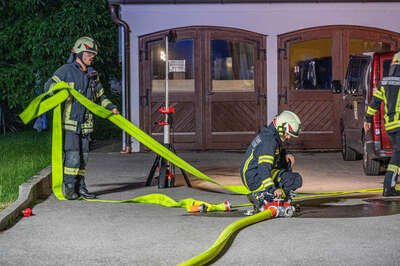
288 122
85 44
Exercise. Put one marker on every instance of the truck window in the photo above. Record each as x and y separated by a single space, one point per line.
356 76
386 67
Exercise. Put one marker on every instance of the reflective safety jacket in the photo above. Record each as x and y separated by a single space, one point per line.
388 92
263 160
76 117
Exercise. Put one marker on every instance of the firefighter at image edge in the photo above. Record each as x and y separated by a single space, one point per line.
266 167
389 93
77 120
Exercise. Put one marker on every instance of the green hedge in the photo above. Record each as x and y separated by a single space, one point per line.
36 37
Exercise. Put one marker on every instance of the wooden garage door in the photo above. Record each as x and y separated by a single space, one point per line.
309 60
306 67
186 124
219 97
234 91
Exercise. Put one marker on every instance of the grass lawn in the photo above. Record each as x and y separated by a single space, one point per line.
22 155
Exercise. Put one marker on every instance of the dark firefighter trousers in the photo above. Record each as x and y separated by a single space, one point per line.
393 169
283 178
76 151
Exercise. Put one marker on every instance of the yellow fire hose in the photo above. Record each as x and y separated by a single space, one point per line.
53 99
61 91
212 252
224 237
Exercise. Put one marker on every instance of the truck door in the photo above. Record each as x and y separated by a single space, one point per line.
356 86
384 66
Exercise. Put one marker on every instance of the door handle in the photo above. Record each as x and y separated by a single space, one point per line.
260 95
145 99
284 96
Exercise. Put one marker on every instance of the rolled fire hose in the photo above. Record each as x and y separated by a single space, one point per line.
61 91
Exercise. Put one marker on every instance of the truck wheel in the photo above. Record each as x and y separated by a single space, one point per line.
347 153
371 167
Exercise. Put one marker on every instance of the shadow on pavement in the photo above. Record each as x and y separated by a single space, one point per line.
121 187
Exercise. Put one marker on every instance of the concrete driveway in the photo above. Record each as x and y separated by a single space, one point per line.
85 233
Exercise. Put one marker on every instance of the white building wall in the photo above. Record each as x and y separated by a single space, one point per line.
268 19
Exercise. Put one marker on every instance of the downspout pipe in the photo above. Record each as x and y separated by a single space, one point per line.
114 9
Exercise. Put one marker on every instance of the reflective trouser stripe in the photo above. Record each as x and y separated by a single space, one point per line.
71 171
392 125
265 184
269 181
81 172
392 168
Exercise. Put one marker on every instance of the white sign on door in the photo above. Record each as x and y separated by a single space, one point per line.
176 65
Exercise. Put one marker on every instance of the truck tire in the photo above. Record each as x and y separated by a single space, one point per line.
347 153
371 167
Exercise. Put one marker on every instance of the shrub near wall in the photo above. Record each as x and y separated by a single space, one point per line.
36 37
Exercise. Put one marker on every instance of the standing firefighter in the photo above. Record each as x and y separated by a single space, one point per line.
266 167
389 93
77 120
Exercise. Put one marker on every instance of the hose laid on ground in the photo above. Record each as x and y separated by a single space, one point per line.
213 251
190 204
220 244
53 99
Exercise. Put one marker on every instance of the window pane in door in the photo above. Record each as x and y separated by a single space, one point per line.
181 67
386 67
358 46
232 65
311 65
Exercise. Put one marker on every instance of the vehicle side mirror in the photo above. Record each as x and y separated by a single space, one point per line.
336 86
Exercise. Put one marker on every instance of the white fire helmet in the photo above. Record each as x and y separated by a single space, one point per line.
288 122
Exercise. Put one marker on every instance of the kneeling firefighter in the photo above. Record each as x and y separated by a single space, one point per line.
77 120
389 94
266 167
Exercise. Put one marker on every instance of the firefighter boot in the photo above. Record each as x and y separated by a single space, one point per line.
82 190
259 199
69 191
390 192
389 185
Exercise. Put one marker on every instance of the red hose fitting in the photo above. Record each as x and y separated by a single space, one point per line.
228 206
27 212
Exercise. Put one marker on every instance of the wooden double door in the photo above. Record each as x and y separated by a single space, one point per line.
216 83
309 61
